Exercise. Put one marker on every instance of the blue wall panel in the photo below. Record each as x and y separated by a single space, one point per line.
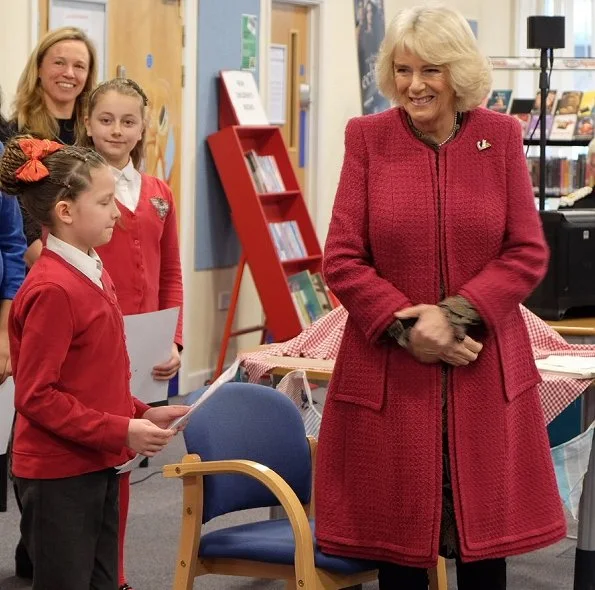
219 48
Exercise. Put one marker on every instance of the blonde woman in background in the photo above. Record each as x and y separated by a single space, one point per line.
49 101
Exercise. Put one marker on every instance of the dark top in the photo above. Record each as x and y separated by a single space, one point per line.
66 135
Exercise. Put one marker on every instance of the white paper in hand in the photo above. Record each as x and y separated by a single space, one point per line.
223 378
6 412
149 339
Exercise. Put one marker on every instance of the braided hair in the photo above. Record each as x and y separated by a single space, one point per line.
69 175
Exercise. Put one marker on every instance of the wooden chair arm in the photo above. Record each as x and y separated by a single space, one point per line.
304 545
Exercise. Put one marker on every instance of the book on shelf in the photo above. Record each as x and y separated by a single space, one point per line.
306 299
550 102
321 292
499 101
264 172
586 119
562 175
563 127
520 109
534 128
569 103
288 240
566 115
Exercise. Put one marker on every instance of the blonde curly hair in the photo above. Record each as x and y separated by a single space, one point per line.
438 35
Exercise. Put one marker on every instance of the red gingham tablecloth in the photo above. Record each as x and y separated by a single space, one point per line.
322 339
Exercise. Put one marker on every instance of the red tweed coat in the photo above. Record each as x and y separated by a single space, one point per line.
401 210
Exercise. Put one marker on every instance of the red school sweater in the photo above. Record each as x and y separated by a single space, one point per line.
71 373
143 256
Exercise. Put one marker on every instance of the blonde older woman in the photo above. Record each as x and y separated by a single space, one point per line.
433 439
49 101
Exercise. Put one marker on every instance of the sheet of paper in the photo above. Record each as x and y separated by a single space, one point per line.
6 412
178 422
149 339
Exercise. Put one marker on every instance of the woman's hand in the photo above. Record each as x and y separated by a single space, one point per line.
432 333
461 353
167 370
423 357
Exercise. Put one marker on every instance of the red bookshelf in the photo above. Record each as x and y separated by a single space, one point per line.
252 212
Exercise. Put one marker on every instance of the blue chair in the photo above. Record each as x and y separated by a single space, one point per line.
248 449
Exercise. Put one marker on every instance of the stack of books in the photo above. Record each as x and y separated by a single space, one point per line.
288 240
264 172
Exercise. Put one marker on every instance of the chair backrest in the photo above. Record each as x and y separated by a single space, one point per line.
254 422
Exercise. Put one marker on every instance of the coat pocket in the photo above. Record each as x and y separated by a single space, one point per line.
519 373
359 376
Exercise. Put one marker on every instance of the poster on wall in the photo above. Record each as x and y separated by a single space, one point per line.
87 15
369 32
249 26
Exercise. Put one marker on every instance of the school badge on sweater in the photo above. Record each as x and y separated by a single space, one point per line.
161 206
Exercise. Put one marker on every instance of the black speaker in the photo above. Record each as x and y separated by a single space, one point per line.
545 32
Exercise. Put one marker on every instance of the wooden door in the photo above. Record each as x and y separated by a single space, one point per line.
289 27
145 42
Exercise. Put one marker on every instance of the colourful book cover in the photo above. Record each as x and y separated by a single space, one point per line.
320 288
569 102
533 129
563 127
302 281
499 101
549 103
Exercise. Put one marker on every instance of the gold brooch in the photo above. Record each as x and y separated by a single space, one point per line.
484 144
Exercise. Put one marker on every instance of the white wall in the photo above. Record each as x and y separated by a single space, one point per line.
18 23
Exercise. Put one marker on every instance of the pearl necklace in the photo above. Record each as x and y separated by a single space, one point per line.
428 139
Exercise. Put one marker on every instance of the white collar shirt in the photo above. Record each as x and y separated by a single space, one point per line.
128 184
89 264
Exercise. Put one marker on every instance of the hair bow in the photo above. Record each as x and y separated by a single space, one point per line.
36 150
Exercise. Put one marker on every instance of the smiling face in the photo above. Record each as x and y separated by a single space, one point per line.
88 221
424 91
116 126
63 73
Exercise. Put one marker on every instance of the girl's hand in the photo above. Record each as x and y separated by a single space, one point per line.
163 416
461 353
167 370
5 364
432 333
146 438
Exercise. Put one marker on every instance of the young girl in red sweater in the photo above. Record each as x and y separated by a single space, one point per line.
143 256
75 420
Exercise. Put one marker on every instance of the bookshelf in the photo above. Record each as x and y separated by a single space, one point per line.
258 215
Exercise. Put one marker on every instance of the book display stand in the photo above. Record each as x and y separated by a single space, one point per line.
269 214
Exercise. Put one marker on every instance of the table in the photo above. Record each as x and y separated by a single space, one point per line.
575 327
582 331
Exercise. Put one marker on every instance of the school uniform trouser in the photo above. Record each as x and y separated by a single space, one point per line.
487 574
70 529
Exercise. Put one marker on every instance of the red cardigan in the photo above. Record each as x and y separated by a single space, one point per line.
71 373
143 256
400 212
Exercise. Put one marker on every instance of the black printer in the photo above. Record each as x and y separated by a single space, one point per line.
569 285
